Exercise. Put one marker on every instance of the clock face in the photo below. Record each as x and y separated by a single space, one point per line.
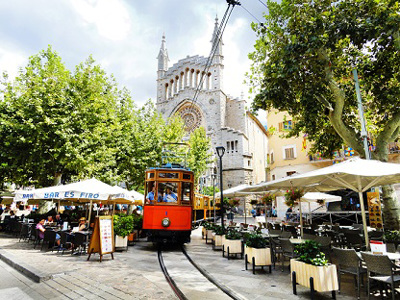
191 116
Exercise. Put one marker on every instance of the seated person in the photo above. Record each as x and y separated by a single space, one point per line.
82 224
49 220
150 196
169 195
59 221
42 230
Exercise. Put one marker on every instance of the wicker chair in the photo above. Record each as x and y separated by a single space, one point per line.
382 269
287 250
349 262
354 240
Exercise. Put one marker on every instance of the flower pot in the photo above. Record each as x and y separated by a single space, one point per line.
217 241
209 236
121 242
262 256
232 247
324 278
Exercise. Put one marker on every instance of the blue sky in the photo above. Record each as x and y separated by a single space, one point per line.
124 37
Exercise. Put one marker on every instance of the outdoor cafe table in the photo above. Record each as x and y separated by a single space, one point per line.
297 241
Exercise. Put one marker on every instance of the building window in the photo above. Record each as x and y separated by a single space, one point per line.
228 146
273 177
249 163
272 158
289 152
290 173
286 126
236 146
233 145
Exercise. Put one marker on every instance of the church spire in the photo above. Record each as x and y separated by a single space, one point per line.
163 56
215 36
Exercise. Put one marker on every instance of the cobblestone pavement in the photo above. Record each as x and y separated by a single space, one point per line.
135 274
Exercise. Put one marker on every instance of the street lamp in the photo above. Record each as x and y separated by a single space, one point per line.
220 153
213 177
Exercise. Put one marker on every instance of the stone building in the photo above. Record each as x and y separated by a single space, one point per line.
225 119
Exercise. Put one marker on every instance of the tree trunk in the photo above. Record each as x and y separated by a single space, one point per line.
391 208
46 206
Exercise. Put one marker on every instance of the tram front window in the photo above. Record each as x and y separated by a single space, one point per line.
186 193
167 192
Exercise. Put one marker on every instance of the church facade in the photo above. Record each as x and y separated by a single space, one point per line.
224 118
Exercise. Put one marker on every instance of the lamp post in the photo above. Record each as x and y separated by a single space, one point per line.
220 153
213 177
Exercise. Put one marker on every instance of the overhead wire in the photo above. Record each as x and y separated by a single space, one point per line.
216 42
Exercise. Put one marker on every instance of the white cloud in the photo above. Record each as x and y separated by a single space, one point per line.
11 60
111 17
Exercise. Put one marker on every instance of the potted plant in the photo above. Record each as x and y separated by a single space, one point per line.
123 226
234 202
256 251
311 267
218 236
207 232
268 198
253 202
232 243
292 196
392 237
137 227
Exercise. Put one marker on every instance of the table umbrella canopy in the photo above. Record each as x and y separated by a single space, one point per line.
315 196
233 192
356 174
82 191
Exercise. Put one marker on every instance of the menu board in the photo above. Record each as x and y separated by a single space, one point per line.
102 240
106 236
375 210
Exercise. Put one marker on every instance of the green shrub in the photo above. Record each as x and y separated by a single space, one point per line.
208 225
123 225
255 240
232 234
310 253
392 236
219 230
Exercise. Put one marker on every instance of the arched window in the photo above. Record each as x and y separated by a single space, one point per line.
166 92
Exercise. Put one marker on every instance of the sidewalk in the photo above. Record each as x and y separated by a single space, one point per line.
136 274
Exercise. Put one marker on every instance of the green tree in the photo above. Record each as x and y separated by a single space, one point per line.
54 123
302 64
199 153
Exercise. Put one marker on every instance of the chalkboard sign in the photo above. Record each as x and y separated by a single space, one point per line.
102 240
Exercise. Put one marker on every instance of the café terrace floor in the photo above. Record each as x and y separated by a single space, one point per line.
136 274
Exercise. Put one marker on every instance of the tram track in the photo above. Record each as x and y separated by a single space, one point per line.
197 272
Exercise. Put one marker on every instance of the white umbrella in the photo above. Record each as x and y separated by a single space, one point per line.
138 197
356 174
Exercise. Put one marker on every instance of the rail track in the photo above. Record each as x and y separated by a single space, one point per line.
215 290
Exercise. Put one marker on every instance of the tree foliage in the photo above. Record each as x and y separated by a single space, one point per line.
303 62
199 153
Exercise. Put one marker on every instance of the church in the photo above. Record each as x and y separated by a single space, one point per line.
225 119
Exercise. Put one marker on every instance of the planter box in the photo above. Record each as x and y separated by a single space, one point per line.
232 247
217 241
258 257
121 242
203 233
324 278
209 236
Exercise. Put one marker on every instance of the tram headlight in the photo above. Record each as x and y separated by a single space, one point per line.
165 222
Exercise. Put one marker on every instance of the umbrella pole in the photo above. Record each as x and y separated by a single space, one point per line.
113 209
364 219
90 212
301 220
58 209
245 214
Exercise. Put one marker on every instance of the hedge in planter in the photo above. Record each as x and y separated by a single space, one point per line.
256 251
232 243
123 226
218 236
312 270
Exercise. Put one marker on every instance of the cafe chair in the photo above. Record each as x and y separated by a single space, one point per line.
355 240
65 241
380 268
49 239
24 232
287 250
348 262
276 250
79 242
37 238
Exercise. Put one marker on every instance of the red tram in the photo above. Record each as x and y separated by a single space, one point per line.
168 208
